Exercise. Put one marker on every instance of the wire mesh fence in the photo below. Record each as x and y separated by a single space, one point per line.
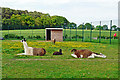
97 31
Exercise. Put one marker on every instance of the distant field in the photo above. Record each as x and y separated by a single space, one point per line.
62 66
41 33
25 33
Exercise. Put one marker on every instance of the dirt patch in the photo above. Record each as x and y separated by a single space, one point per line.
69 59
43 41
16 40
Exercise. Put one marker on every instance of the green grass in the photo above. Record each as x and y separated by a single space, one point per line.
60 69
41 32
25 33
63 66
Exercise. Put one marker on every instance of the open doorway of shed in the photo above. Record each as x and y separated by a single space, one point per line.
48 34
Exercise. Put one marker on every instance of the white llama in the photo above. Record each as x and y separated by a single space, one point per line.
31 50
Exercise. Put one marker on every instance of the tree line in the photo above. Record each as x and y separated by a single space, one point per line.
16 18
22 19
98 27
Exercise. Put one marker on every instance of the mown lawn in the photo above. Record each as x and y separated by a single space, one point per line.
63 66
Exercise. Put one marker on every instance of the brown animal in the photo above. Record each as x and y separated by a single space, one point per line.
84 53
58 53
31 50
54 40
39 51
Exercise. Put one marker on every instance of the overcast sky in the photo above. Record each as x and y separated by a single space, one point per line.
77 11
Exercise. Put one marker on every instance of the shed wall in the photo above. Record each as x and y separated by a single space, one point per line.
57 34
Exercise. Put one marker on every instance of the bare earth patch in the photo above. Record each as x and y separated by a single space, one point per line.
69 59
15 40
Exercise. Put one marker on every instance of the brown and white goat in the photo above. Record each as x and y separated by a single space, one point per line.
84 53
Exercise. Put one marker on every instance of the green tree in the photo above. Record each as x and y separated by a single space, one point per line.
114 27
27 19
105 27
38 22
88 26
5 23
98 27
58 21
46 20
81 26
73 25
118 28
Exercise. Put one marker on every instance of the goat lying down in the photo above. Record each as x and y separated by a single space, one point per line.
84 53
31 50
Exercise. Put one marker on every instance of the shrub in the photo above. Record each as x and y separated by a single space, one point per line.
38 37
73 37
80 37
33 37
66 36
115 37
6 36
30 37
19 37
106 37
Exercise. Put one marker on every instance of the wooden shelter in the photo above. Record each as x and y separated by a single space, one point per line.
54 33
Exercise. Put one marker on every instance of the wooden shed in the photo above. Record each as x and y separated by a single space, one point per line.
54 33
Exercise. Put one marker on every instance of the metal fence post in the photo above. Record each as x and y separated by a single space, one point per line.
32 30
110 30
64 30
14 30
91 33
8 32
20 30
76 32
70 33
83 32
100 33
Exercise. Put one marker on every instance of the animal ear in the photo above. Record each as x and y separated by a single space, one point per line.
60 50
73 50
24 39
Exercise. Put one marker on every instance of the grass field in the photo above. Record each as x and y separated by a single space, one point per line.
41 32
63 66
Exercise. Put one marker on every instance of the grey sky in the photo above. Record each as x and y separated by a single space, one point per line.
77 11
